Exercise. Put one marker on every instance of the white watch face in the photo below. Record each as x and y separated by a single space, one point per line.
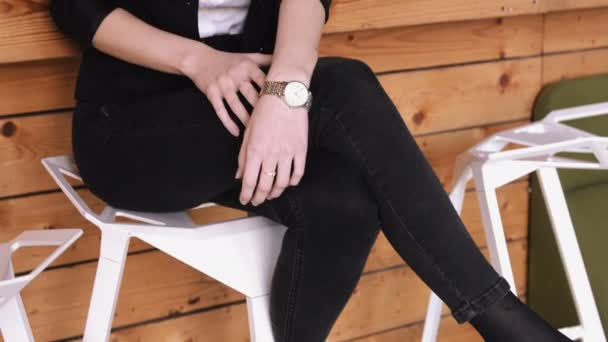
296 93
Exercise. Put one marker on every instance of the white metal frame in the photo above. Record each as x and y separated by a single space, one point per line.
240 253
491 166
14 324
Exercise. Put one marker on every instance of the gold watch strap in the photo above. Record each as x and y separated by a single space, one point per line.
273 87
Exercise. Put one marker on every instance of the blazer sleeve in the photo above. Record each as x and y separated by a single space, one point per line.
326 4
79 19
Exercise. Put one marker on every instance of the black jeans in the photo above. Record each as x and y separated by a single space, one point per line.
364 172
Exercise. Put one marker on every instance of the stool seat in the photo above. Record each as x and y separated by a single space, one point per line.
508 155
240 253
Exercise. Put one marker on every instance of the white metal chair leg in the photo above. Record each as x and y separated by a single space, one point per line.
112 257
258 313
432 319
571 256
492 224
13 321
14 324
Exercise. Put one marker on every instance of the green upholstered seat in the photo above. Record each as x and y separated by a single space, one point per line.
587 197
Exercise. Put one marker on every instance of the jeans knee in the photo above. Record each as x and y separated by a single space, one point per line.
345 84
346 70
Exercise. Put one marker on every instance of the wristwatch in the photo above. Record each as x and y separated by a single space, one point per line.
294 93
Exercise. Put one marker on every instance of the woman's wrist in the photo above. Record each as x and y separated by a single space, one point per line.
193 59
287 72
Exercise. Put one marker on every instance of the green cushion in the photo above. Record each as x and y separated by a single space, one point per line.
587 194
571 93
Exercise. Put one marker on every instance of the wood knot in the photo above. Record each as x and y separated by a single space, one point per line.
419 117
194 300
8 128
350 37
504 81
5 7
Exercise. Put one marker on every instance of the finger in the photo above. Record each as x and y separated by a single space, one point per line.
259 58
257 75
265 183
242 156
237 106
249 92
250 176
229 90
282 179
215 97
298 169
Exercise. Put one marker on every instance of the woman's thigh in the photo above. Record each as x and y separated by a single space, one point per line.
161 153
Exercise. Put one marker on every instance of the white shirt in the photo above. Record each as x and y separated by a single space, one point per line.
221 16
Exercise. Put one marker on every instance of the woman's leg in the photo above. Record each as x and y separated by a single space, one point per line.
171 152
165 152
353 116
332 221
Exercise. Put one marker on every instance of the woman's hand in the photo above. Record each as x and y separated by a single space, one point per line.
276 136
221 74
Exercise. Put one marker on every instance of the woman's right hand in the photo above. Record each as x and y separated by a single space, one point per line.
220 74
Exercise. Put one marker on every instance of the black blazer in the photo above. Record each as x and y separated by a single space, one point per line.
103 78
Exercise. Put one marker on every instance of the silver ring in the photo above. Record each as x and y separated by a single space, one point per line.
272 174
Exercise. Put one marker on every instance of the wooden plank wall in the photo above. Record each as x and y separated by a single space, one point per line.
457 70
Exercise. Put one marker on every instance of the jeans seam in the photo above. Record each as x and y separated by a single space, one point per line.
479 303
400 219
290 312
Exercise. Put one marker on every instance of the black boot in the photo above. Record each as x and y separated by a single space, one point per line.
510 320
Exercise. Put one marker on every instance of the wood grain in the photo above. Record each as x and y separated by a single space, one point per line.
27 33
564 5
348 15
409 47
574 64
575 30
37 86
466 96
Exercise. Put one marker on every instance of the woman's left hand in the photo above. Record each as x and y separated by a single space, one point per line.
275 135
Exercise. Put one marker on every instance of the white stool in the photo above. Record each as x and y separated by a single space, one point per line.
240 253
492 166
14 324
